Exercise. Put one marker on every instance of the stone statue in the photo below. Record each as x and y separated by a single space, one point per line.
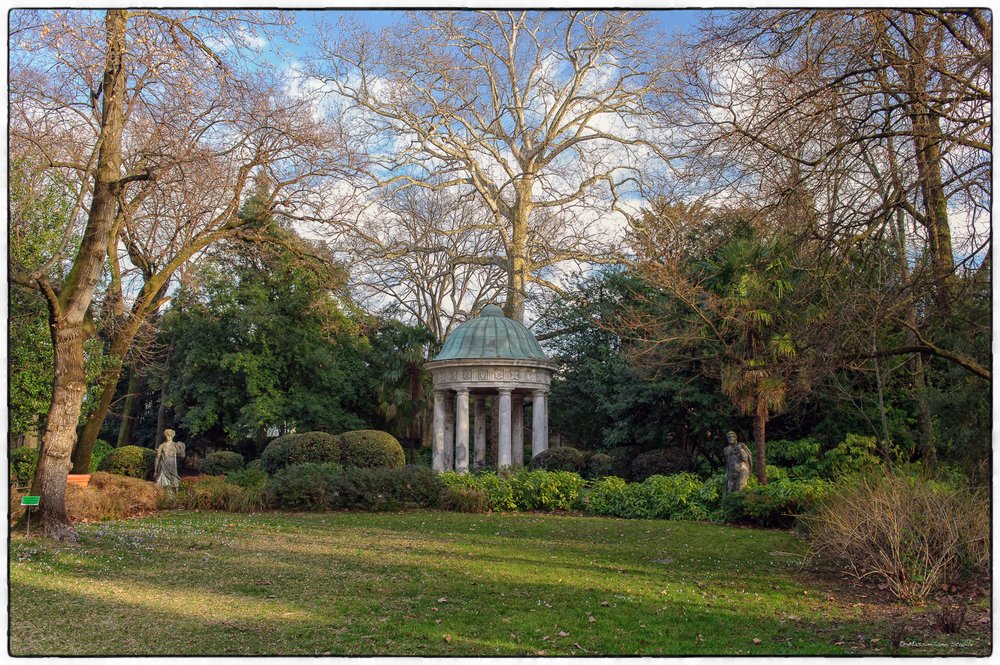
166 461
738 463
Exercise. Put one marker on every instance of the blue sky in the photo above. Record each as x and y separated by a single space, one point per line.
671 20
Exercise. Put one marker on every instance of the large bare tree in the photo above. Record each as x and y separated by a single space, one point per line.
84 94
553 120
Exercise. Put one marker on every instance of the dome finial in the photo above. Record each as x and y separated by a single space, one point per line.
491 310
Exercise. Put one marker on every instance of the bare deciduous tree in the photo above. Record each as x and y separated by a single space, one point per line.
552 120
84 97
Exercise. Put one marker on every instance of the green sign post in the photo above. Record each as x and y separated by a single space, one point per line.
29 501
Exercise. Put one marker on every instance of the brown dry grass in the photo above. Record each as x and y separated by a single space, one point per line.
107 497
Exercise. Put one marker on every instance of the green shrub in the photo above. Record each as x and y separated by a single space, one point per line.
776 504
302 486
781 452
604 495
221 463
248 478
100 451
559 459
385 488
299 448
131 461
254 465
598 466
371 449
499 491
854 455
659 462
776 473
464 499
23 462
547 490
621 460
908 533
325 486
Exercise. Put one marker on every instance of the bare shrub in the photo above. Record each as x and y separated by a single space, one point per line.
109 497
911 534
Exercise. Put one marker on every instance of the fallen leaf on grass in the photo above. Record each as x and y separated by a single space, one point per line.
591 619
447 638
437 620
604 603
443 599
756 640
562 633
546 638
577 645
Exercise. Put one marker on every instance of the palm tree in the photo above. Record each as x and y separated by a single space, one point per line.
750 280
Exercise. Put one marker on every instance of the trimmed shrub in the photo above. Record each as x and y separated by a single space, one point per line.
464 499
560 459
221 463
248 478
324 486
23 462
254 465
384 488
659 462
111 497
100 451
911 534
776 504
131 461
598 466
302 486
300 448
371 449
621 460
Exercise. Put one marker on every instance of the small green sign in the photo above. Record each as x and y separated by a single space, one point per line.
30 500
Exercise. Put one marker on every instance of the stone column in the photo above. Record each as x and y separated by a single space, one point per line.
449 435
503 438
539 424
479 415
462 430
545 423
437 445
517 431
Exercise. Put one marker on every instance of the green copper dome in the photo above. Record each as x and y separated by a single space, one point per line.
491 335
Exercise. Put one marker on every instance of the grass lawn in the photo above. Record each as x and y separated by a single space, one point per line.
429 583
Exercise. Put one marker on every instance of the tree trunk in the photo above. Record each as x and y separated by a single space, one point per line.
928 447
517 271
133 406
760 444
927 137
88 436
68 310
68 390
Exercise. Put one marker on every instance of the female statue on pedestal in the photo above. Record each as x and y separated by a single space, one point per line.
166 461
738 460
